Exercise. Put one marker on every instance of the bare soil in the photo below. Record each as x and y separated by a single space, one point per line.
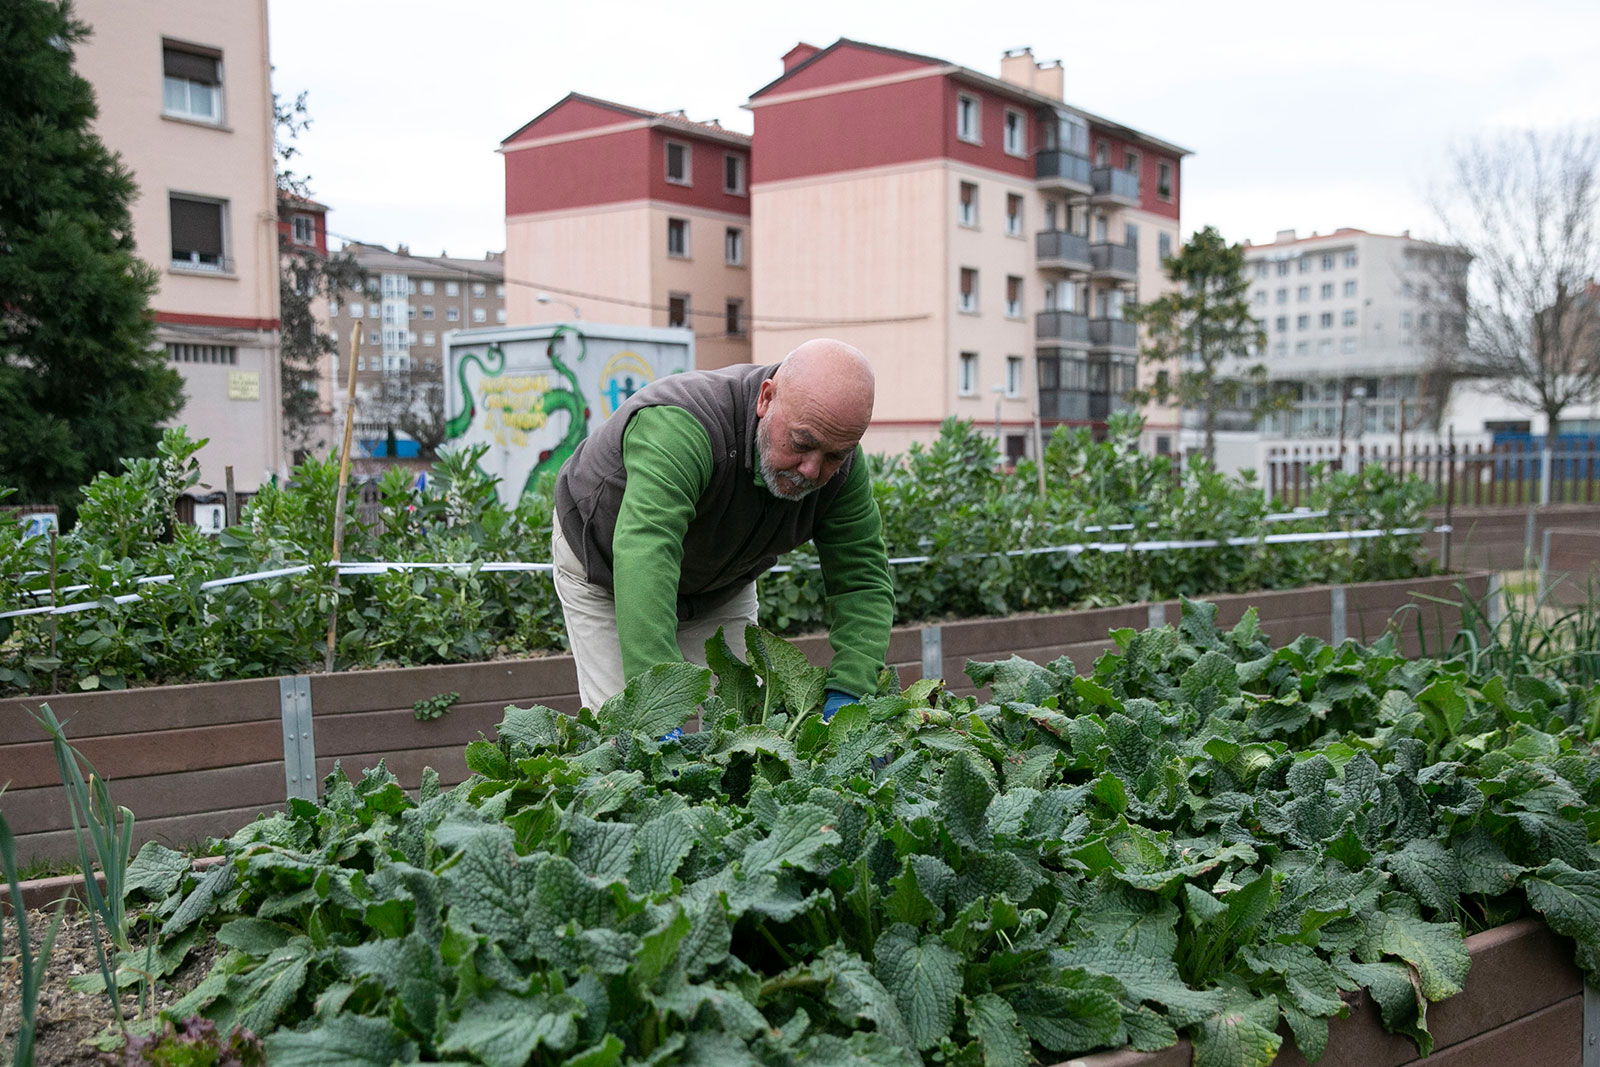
66 1019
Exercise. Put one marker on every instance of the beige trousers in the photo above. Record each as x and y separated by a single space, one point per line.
591 618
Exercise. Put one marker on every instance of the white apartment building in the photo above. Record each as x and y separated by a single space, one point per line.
1345 316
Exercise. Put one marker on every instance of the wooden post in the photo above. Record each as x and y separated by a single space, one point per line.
230 506
339 499
1449 500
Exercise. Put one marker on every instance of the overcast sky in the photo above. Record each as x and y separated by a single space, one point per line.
1299 115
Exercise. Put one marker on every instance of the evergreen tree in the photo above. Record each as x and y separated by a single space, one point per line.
1205 326
81 382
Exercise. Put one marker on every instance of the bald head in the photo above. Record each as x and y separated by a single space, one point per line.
812 411
831 381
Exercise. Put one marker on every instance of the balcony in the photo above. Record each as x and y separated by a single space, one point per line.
1116 262
1059 250
1060 171
1115 186
1067 327
1103 405
1063 404
1113 333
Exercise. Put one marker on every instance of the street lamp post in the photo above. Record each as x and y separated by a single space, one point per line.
546 298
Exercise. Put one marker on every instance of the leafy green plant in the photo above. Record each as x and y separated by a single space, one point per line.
429 708
195 1042
1202 836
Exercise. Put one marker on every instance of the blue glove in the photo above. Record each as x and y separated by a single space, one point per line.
674 734
835 701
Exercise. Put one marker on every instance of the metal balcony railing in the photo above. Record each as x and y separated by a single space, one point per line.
1065 326
1115 184
1058 248
1120 260
1113 333
1054 166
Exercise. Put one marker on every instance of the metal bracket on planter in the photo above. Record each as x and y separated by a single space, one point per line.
299 748
1338 616
1156 616
1591 1026
932 652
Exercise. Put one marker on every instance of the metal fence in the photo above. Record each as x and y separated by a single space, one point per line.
1508 475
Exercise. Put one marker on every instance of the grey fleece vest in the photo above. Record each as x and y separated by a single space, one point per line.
739 528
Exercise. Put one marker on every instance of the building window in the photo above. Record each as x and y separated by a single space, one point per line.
411 311
678 163
1405 320
356 309
1350 259
303 229
480 315
1303 293
1260 296
1016 133
411 287
198 234
500 291
967 374
735 318
1164 180
1013 215
1327 291
427 337
677 309
678 238
1283 268
1130 235
375 337
1102 153
967 212
452 289
968 119
733 174
1283 296
1348 345
1283 323
1280 349
733 246
1350 317
1100 233
427 287
427 311
1261 270
1013 296
452 314
361 363
1302 322
191 82
1327 261
1302 348
1013 375
1325 320
500 315
479 289
969 290
226 355
1305 264
1164 251
411 337
1130 161
1349 288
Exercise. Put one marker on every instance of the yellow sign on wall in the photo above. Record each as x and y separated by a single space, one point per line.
244 385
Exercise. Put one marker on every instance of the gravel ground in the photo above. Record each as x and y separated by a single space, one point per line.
67 1019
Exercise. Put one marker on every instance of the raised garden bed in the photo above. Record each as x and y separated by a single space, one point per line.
199 761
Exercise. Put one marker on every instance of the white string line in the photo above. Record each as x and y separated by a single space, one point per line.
464 569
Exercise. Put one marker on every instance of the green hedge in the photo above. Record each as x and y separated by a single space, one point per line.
947 501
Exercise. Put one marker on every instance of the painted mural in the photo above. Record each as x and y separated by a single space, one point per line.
532 399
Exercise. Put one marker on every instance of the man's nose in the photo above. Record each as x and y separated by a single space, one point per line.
811 467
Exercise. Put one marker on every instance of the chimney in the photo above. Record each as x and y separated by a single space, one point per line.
798 55
1283 237
402 250
1018 67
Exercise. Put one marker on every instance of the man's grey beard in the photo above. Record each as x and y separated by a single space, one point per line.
785 485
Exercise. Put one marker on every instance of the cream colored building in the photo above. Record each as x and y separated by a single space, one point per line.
184 98
981 249
619 215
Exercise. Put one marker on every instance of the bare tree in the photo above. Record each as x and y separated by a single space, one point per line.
411 402
1524 320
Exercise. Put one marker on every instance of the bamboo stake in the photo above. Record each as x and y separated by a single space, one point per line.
344 478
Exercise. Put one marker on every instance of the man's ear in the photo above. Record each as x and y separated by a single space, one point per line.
764 398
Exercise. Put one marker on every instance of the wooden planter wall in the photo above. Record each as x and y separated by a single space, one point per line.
1523 1004
198 761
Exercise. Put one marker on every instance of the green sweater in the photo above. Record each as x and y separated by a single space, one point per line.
668 459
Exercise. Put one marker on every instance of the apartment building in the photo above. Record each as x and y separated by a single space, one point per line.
1347 316
410 302
979 238
182 88
621 215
